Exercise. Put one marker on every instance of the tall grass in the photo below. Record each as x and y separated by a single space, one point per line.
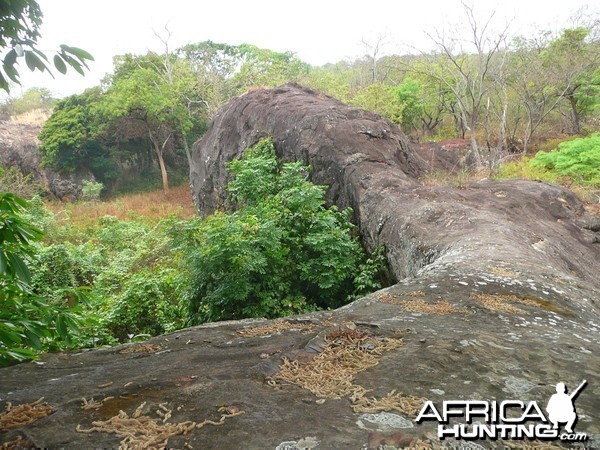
149 207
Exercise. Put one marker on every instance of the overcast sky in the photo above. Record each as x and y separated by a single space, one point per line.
318 31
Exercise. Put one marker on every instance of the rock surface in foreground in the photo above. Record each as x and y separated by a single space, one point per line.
498 299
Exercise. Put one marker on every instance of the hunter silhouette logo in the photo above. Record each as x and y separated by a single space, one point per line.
507 419
561 408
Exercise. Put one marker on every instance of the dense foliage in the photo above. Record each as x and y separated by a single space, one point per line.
578 159
30 323
110 280
31 100
281 252
575 163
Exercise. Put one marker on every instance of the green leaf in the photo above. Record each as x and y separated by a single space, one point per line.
19 268
3 263
78 52
10 59
60 64
34 62
12 73
61 328
73 63
3 83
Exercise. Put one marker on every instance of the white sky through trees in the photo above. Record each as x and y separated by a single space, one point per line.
318 31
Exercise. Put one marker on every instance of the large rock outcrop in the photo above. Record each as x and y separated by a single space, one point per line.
497 299
369 165
19 145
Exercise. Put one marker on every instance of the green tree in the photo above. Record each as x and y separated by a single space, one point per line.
571 61
409 94
263 67
281 252
32 99
463 66
156 92
382 99
72 137
213 65
20 22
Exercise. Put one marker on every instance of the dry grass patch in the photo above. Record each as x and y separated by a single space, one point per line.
139 431
503 303
440 308
17 443
502 272
141 348
277 327
406 404
148 206
21 415
417 305
93 404
34 117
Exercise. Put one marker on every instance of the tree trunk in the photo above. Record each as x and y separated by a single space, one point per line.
186 147
163 169
575 120
158 149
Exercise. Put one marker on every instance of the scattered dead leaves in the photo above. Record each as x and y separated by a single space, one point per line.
93 404
277 327
140 431
21 415
406 404
331 373
503 272
417 305
141 348
17 443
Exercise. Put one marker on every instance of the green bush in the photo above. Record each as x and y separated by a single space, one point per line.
13 180
148 304
578 159
91 190
28 323
54 272
282 252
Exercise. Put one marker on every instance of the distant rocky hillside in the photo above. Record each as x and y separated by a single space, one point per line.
496 299
19 148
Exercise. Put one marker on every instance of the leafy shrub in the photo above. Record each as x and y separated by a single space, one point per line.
575 164
578 159
28 324
524 169
281 252
13 180
54 272
91 190
148 304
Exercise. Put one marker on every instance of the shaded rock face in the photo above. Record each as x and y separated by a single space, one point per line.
19 148
497 300
348 148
